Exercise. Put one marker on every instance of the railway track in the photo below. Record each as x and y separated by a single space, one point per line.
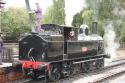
109 75
87 76
92 75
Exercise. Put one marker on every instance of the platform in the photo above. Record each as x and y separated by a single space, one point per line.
5 65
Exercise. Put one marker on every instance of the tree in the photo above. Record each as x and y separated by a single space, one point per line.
84 17
15 21
55 13
104 11
77 21
123 3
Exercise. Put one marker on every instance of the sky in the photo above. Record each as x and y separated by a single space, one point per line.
71 8
21 3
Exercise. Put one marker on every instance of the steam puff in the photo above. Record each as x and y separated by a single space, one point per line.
109 40
71 8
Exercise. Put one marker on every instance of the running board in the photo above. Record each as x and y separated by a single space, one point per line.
87 60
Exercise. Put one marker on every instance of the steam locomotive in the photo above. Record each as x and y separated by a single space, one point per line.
60 51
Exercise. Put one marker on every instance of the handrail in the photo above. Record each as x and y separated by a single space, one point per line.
30 50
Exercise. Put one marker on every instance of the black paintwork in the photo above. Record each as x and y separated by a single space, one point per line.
56 44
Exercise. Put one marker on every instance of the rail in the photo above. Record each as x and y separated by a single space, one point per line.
109 75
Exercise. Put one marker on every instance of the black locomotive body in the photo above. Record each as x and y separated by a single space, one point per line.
59 50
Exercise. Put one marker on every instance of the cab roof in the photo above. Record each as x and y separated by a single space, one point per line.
60 26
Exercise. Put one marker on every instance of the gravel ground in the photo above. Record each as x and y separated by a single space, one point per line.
120 53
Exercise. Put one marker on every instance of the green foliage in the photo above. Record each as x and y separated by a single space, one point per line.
77 21
123 3
87 17
121 31
15 21
123 38
55 13
100 28
84 17
104 10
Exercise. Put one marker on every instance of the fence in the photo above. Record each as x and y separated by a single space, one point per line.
9 52
7 55
122 45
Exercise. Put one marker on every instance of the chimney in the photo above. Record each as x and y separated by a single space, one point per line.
94 27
